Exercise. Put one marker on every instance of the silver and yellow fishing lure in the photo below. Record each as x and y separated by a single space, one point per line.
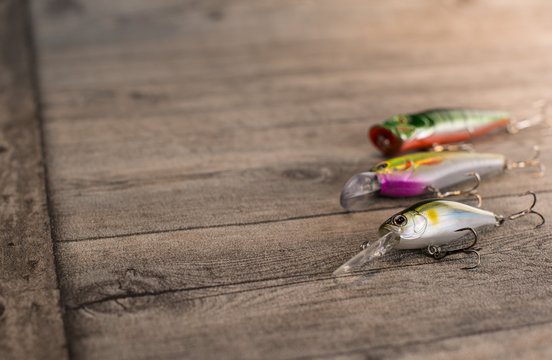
430 224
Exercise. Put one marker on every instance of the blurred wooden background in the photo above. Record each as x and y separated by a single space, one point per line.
188 158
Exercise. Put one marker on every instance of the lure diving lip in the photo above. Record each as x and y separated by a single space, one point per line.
424 173
431 224
407 132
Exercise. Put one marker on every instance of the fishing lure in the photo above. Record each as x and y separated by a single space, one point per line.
406 132
427 173
430 224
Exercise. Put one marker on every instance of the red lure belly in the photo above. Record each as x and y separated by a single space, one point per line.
404 133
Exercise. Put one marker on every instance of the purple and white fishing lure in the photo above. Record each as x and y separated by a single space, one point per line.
426 173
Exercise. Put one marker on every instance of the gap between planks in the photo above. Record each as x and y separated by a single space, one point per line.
36 96
270 221
146 309
301 279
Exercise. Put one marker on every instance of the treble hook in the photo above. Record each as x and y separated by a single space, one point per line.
471 191
534 162
515 126
438 252
452 147
529 210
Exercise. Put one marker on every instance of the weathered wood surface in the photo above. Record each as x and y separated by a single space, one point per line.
195 156
245 290
191 121
31 324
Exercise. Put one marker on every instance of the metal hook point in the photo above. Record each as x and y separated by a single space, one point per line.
476 252
438 253
475 237
527 211
533 162
469 249
540 117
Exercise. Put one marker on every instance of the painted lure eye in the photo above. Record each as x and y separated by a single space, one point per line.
382 166
400 220
402 119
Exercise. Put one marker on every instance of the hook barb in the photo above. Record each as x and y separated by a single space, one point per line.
524 212
540 117
476 252
438 253
533 162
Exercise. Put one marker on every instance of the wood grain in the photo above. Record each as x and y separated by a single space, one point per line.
196 151
241 255
522 343
190 131
250 289
31 325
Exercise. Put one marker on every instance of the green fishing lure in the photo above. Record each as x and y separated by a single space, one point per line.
406 132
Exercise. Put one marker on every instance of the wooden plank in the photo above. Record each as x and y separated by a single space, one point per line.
320 319
169 115
266 290
300 181
523 343
213 257
194 130
31 325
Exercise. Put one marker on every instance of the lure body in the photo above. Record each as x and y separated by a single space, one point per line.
430 224
406 132
434 222
411 175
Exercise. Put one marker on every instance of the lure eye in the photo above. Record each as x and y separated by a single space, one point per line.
401 119
400 220
382 166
